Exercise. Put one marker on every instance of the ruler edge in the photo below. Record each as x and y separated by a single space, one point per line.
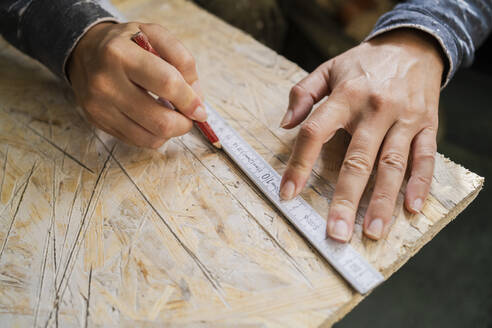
349 279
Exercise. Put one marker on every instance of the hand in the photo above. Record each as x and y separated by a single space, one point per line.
110 76
385 93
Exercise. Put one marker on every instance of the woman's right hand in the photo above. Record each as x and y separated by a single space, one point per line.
110 76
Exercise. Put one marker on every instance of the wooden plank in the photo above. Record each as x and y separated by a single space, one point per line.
93 232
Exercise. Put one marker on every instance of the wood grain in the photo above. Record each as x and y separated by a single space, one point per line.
97 233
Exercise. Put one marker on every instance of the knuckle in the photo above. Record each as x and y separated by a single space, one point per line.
345 203
98 83
349 86
376 100
297 91
113 50
379 100
383 196
310 130
155 26
299 165
431 130
357 163
163 128
187 62
425 154
156 143
422 179
394 160
132 26
408 124
170 84
421 111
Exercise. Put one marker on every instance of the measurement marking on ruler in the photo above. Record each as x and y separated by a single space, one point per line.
343 257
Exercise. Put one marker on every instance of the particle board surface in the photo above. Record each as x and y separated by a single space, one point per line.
97 233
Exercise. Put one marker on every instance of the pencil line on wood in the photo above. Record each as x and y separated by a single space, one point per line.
16 211
275 241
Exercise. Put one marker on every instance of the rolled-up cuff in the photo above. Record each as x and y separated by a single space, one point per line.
401 18
51 37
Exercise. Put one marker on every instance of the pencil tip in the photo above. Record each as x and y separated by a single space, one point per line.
217 145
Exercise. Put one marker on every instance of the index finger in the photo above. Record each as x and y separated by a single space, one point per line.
305 94
158 76
316 131
171 50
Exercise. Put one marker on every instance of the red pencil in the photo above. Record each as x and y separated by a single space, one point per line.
142 40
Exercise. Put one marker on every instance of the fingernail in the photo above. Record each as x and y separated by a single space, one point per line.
375 228
340 230
417 205
287 191
287 118
200 114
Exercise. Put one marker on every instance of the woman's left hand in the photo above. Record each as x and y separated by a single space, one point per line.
385 93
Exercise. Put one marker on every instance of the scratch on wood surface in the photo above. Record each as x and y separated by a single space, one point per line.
55 190
78 188
94 246
4 170
43 270
78 240
70 212
16 211
17 188
161 302
58 147
53 216
275 241
206 272
88 299
84 226
163 285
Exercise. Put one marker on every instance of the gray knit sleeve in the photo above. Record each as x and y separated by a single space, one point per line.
48 30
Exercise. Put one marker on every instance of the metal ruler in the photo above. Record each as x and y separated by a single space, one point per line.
343 257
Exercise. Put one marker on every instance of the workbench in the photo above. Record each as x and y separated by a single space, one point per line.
97 233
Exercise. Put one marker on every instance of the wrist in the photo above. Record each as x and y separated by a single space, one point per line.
415 42
87 44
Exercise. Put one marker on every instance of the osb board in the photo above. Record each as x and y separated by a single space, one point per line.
93 232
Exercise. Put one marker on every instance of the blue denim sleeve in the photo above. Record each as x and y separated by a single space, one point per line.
460 26
48 30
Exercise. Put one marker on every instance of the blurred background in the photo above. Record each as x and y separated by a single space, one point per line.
449 282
